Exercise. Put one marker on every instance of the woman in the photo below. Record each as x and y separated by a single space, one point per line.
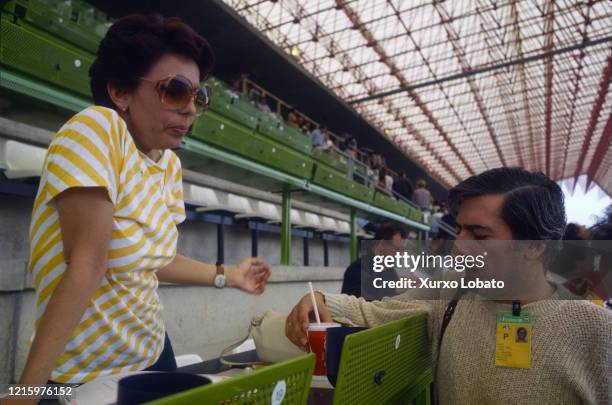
103 231
382 181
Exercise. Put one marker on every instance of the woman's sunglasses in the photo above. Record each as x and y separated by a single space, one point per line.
176 92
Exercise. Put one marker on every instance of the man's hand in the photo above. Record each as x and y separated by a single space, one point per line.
250 275
296 326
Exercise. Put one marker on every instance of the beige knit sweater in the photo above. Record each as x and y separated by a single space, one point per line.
571 360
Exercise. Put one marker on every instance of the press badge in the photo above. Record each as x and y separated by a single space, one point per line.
513 340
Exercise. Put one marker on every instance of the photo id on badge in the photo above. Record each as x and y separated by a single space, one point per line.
513 340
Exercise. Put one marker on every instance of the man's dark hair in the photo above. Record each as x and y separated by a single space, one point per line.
388 230
533 205
572 231
134 43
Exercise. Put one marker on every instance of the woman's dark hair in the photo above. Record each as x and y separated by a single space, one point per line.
533 206
134 43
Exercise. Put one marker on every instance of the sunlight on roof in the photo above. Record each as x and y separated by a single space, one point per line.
584 207
539 115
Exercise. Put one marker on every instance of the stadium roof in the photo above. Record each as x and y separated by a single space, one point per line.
464 85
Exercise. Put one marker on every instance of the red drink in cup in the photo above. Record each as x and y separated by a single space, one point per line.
317 334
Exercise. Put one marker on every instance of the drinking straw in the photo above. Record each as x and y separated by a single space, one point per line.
314 302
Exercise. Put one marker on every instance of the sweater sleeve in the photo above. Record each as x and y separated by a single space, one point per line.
588 329
359 312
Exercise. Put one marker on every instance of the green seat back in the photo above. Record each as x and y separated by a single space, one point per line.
388 364
286 383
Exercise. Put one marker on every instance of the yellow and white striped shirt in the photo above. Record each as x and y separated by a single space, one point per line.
121 329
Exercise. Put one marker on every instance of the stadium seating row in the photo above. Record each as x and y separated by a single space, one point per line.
207 199
19 161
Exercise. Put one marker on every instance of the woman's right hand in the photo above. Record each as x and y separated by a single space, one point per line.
296 325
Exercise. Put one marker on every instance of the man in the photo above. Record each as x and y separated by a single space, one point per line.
570 341
421 196
352 283
317 137
403 186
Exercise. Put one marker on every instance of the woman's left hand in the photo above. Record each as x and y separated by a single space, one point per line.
250 275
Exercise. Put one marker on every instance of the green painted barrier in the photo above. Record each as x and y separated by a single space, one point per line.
388 364
286 383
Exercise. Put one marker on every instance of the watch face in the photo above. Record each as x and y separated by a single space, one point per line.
219 281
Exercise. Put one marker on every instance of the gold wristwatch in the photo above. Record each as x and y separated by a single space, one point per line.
219 281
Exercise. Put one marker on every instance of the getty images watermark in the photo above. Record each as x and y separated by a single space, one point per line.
412 263
486 269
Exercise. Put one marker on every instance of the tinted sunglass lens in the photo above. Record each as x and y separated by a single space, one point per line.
177 93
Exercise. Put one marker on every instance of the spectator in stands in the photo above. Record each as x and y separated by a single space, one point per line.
446 231
237 83
421 196
349 143
377 161
403 187
351 283
352 143
382 186
263 105
389 182
372 174
255 95
365 155
445 222
574 231
383 161
349 153
318 137
299 122
329 144
104 229
343 143
602 230
237 88
435 217
569 363
292 119
305 127
439 211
